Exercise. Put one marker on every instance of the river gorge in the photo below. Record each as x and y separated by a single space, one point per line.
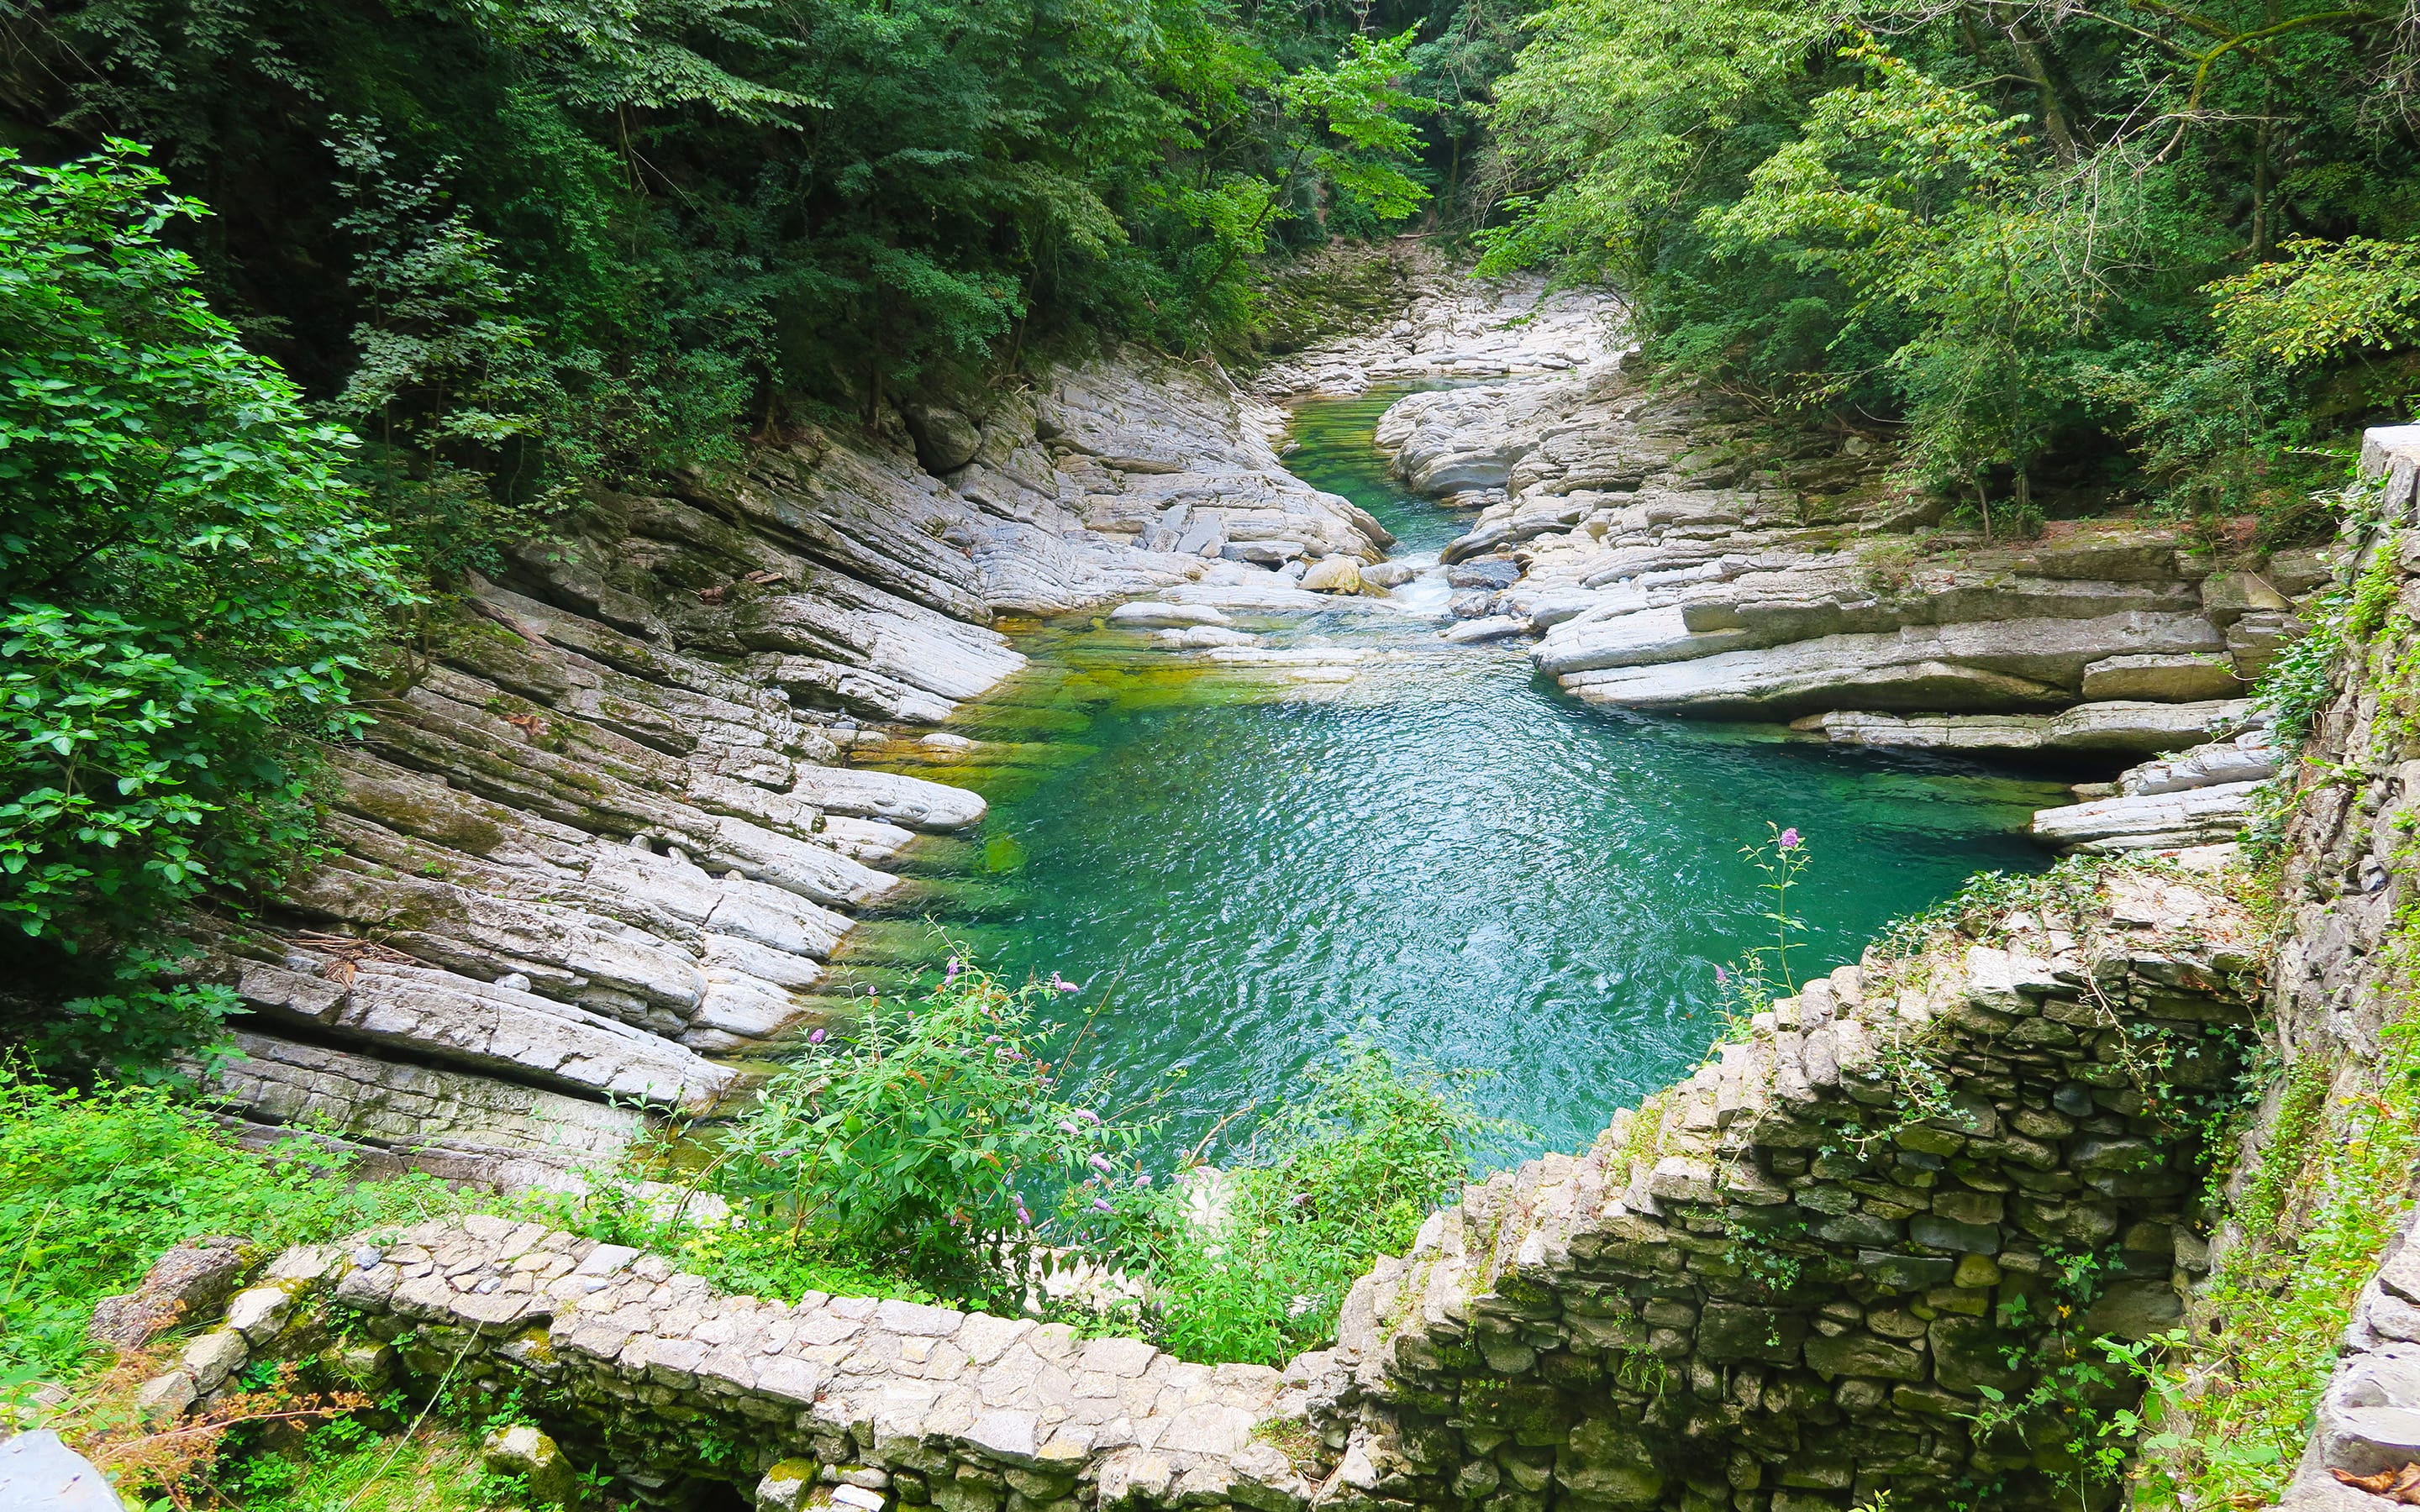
1393 836
1431 686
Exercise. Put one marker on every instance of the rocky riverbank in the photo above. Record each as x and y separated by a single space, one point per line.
603 839
1666 555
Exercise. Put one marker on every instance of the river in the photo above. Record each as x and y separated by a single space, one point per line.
1441 853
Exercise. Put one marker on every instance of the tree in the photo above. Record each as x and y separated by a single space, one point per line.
188 582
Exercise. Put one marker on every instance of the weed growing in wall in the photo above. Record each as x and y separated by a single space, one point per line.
2301 678
2333 1186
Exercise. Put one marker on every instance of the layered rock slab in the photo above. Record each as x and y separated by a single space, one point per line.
602 835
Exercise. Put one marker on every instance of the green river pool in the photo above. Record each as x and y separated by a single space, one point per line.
1443 853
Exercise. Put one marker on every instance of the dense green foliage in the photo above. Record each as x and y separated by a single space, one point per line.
524 246
1252 1265
914 1146
187 584
94 1186
2139 246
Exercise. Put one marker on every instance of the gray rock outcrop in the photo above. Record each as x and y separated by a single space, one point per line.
602 839
39 1473
1669 560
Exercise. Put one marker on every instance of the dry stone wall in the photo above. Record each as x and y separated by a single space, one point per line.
1787 1283
679 1390
1793 1282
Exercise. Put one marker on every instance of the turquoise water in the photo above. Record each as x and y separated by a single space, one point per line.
1444 853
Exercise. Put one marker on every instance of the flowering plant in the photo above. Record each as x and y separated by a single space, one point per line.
1752 982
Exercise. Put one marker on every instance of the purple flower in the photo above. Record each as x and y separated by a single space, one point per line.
1144 1180
1722 978
1789 839
952 974
816 1038
1087 1115
1058 984
1102 1205
1102 1162
1068 1127
1023 1216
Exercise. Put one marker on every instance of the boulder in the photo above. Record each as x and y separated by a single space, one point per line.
1387 575
2248 758
2369 1420
1146 615
1491 573
189 1280
945 439
1489 627
1644 639
40 1473
1333 574
521 1450
1262 553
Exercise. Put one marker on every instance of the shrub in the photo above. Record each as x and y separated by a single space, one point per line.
917 1147
187 582
95 1185
1254 1266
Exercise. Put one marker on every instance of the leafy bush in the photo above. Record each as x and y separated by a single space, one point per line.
1253 1265
916 1148
95 1185
2301 679
187 582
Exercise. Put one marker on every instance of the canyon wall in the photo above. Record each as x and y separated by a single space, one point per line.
603 842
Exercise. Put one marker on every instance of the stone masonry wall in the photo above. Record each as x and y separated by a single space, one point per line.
1784 1285
1788 1283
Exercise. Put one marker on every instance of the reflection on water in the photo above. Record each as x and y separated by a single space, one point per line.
1444 853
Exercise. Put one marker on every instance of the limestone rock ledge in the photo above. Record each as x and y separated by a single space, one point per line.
1785 1284
602 839
1667 562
